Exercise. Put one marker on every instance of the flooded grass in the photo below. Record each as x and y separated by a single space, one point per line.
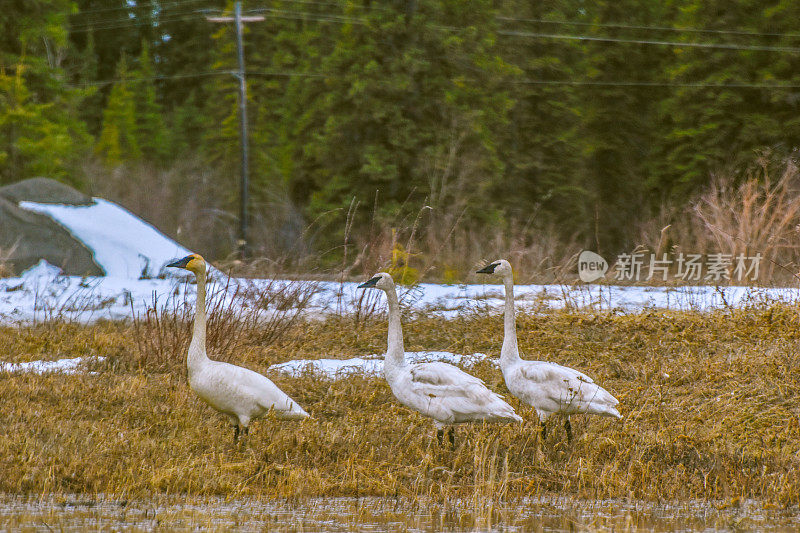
710 401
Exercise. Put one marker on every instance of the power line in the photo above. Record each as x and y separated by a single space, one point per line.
134 22
98 83
352 6
315 17
733 85
133 8
724 46
525 34
656 28
303 15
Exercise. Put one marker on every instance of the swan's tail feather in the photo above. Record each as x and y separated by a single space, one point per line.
289 410
603 403
505 413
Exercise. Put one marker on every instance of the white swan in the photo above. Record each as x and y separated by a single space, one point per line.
437 390
547 387
238 392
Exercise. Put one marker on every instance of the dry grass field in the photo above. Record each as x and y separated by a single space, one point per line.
710 404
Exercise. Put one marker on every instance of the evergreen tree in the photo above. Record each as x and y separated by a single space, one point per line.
36 139
544 179
721 123
40 133
118 137
401 86
188 127
151 135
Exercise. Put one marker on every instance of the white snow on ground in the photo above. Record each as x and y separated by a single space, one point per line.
41 293
65 366
370 365
122 244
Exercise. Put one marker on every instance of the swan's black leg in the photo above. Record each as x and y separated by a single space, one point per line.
440 435
236 433
544 431
568 427
246 430
452 437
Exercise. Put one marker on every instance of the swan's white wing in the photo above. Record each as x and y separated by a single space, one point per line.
552 388
439 374
242 392
450 395
544 373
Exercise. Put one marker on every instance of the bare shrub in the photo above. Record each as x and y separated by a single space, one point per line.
757 215
239 313
58 301
762 215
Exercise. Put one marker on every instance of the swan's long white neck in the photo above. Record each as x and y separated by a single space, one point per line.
197 348
509 354
395 351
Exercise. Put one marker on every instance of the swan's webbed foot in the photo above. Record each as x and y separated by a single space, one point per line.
568 427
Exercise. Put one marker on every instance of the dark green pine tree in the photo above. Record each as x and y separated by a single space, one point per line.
151 133
410 88
41 133
118 137
544 180
220 142
618 131
188 127
86 69
716 122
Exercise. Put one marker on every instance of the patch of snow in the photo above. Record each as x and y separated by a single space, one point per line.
122 244
40 295
41 270
65 366
369 365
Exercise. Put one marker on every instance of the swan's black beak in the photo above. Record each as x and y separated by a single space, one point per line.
488 269
181 263
369 283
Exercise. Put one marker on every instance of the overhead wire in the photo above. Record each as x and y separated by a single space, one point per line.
687 44
645 27
317 17
132 8
135 22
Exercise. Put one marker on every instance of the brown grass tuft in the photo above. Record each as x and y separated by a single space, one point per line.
240 313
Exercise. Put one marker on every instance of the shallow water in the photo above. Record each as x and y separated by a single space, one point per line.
77 513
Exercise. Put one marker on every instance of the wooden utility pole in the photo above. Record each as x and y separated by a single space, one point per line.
239 20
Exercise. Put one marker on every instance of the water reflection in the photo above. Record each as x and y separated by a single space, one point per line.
77 512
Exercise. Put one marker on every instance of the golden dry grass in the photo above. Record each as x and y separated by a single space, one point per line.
710 403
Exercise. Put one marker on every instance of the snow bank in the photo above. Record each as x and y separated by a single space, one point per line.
65 366
42 293
123 245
